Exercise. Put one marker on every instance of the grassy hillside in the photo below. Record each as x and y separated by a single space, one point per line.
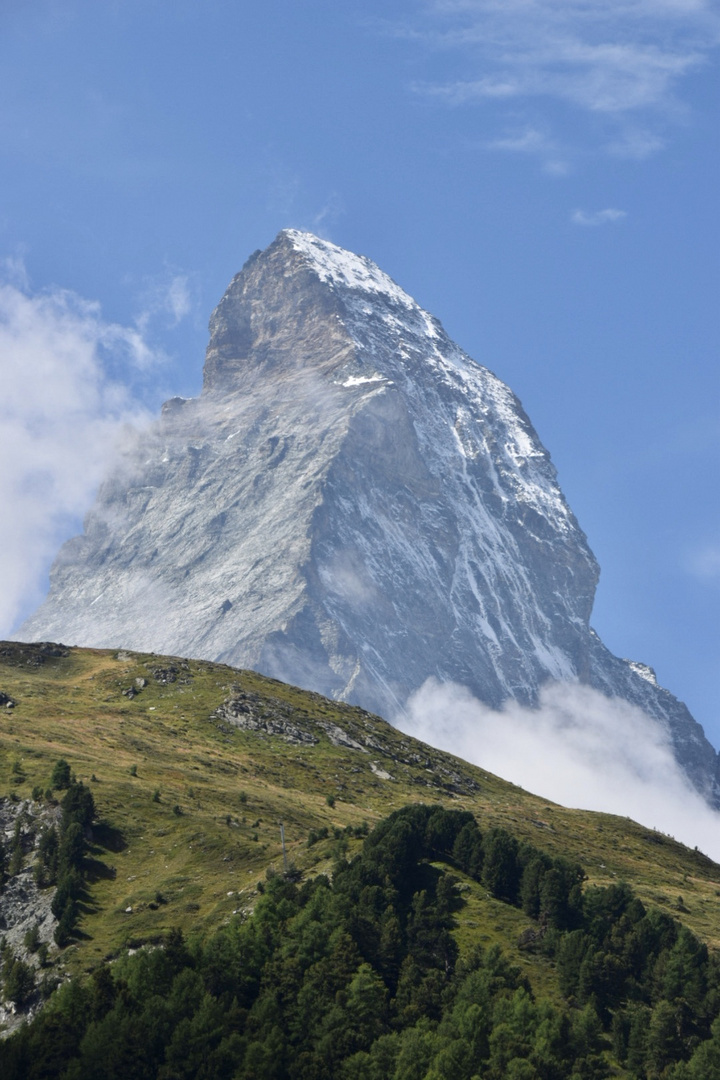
193 766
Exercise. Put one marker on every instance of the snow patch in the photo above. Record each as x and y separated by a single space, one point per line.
359 380
336 266
645 672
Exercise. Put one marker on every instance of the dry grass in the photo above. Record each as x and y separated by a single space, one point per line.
190 806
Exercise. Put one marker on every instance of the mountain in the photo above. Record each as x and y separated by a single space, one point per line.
353 505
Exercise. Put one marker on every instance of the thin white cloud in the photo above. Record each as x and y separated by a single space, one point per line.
636 144
616 59
532 141
62 421
704 563
165 299
529 141
578 748
597 217
178 301
332 209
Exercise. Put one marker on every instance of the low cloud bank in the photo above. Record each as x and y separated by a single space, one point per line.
578 748
63 420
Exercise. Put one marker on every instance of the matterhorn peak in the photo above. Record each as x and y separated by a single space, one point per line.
311 285
353 505
341 269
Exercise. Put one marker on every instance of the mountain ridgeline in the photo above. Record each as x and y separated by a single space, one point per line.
352 505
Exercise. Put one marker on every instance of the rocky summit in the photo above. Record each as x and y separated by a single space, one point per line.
352 505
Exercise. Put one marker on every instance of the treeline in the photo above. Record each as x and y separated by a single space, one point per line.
59 862
61 848
359 978
61 853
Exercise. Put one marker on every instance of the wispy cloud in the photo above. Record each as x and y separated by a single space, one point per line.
578 748
165 300
635 143
332 209
597 217
289 198
704 563
529 141
63 418
617 59
532 141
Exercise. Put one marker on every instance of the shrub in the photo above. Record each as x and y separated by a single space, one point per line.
31 941
72 847
46 865
64 929
16 861
19 981
78 805
60 778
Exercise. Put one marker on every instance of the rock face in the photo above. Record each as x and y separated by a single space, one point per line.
352 505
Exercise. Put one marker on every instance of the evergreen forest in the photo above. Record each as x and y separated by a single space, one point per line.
356 975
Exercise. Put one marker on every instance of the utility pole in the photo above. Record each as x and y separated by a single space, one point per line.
282 841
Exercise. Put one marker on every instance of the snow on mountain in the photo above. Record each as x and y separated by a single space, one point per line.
352 504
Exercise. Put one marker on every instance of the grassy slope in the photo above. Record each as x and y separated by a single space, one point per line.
204 868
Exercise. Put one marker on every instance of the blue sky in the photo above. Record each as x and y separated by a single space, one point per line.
542 175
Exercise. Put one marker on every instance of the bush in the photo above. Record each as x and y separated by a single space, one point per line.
70 886
19 981
46 865
63 931
31 941
16 861
500 872
72 848
78 805
61 777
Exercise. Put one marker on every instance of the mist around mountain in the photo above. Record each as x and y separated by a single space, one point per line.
576 746
352 505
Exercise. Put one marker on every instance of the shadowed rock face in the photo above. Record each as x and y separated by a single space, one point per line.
352 505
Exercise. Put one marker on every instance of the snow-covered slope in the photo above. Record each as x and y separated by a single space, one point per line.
353 505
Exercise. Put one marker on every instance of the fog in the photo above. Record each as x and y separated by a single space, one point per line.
578 748
63 421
